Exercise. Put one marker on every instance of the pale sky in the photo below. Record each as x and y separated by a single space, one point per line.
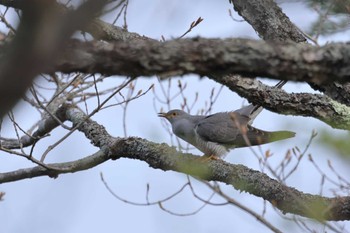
80 203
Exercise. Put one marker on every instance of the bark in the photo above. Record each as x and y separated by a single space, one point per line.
104 31
99 29
202 56
40 35
287 61
339 92
163 157
267 18
282 26
300 104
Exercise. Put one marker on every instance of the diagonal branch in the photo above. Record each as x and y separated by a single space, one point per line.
41 33
99 29
287 199
161 156
267 18
45 126
277 100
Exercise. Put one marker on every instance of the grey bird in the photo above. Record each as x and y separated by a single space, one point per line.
216 134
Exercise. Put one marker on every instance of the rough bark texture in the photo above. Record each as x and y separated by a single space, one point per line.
104 31
283 60
302 104
28 54
339 92
267 18
289 61
161 156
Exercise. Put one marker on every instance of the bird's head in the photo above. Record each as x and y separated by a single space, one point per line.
173 115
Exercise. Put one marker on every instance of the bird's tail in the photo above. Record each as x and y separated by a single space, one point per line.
279 135
255 137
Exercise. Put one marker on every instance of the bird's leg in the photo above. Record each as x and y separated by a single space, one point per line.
206 158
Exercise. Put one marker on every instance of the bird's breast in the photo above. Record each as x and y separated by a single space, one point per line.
184 129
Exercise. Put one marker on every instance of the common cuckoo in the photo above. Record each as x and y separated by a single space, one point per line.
216 134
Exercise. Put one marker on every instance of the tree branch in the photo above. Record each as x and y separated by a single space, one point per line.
45 126
288 200
337 91
187 55
289 61
161 156
57 168
301 104
259 14
41 33
101 30
267 18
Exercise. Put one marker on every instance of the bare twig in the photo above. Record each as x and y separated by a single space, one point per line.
193 25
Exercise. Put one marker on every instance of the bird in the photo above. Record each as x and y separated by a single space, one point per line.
216 134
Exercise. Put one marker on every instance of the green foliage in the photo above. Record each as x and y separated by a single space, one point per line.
333 16
339 144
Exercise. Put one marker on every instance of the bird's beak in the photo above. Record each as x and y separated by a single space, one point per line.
162 114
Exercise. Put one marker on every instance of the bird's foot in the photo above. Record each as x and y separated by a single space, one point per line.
206 158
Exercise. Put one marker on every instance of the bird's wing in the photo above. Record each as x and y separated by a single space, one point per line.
222 128
232 130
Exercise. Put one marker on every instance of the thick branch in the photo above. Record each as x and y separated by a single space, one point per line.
161 156
99 29
40 35
290 61
164 157
302 104
267 18
337 91
288 200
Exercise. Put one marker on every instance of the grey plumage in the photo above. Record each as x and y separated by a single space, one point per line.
216 134
252 111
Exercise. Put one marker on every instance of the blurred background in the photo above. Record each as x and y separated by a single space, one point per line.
80 202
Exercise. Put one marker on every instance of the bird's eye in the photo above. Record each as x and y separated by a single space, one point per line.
174 114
